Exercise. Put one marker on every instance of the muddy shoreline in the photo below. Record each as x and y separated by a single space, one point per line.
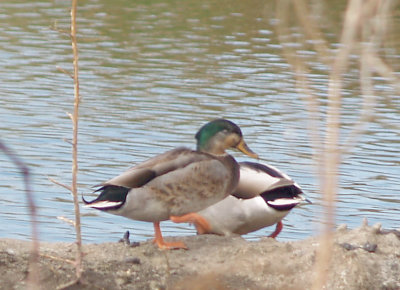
363 258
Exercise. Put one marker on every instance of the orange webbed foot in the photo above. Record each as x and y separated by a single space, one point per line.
170 245
163 244
201 224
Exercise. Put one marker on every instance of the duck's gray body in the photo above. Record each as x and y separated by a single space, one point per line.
171 184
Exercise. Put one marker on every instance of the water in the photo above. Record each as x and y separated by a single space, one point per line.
151 73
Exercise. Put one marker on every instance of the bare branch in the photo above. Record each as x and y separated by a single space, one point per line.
364 29
65 71
67 141
68 221
75 118
72 262
312 31
33 282
60 184
70 116
385 71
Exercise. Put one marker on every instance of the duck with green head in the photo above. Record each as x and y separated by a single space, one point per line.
177 182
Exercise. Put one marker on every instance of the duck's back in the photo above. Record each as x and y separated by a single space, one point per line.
189 182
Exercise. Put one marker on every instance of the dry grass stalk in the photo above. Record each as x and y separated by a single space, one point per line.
33 272
75 118
364 30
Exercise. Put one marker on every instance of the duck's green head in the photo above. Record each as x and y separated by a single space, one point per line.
218 135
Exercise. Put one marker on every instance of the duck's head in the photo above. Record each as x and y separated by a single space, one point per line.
218 135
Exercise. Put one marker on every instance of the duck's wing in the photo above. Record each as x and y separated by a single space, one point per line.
113 192
256 178
277 189
169 161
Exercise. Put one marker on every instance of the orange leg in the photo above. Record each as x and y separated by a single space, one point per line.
278 229
161 243
201 224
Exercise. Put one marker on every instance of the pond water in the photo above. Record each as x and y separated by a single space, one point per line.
151 73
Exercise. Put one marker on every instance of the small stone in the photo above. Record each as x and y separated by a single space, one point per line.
133 260
370 247
342 228
11 252
134 244
348 246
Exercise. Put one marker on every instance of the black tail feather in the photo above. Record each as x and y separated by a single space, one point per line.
111 193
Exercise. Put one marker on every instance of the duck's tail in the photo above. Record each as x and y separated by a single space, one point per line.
111 197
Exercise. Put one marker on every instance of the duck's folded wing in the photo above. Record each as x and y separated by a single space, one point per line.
257 178
143 173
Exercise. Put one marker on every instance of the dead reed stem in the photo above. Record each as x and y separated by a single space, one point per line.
75 121
75 118
364 29
33 274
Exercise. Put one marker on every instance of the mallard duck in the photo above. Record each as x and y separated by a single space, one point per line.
263 197
176 182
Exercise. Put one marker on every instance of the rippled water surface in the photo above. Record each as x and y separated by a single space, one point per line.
151 73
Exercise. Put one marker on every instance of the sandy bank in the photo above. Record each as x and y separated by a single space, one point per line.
363 258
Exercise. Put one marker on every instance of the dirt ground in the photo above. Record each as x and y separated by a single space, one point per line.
363 258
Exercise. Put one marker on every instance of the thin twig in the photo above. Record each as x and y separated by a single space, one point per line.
67 141
54 27
364 29
385 71
282 11
75 119
60 184
332 153
312 31
72 262
65 71
67 220
33 276
71 116
368 103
